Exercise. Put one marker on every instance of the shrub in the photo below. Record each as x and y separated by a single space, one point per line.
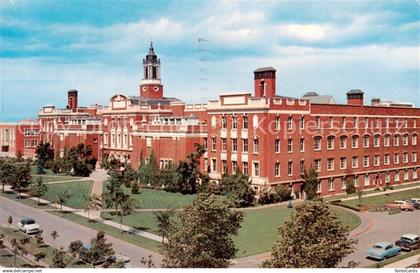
135 188
283 193
350 187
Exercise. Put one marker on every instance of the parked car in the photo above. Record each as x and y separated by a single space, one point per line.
84 256
28 225
408 242
383 250
120 259
398 204
416 205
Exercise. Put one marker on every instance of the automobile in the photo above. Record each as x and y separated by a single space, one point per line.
408 242
84 256
416 205
398 204
28 225
383 250
120 259
415 200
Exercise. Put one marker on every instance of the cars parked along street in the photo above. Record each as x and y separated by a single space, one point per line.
408 242
383 250
398 204
28 225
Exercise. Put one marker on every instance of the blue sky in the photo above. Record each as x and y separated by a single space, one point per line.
49 47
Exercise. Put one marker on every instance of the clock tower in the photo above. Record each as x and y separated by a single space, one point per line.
151 86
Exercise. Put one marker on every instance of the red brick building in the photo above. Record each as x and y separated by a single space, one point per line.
270 137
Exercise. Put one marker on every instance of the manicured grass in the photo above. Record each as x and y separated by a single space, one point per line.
32 248
111 231
155 199
51 178
78 191
144 220
401 256
385 198
25 201
7 259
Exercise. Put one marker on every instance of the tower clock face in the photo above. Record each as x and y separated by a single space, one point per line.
144 88
156 88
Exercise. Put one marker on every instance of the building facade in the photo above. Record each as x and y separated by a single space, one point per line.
271 138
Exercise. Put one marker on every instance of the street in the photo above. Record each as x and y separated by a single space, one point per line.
69 231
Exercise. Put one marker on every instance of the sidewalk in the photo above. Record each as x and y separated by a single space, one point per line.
381 193
404 263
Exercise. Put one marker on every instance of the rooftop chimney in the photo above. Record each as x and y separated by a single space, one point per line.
72 99
355 97
265 82
375 101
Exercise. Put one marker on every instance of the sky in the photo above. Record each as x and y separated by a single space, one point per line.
206 48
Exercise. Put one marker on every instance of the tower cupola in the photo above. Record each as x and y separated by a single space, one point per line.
151 85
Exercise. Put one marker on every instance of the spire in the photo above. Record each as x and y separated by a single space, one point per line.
151 49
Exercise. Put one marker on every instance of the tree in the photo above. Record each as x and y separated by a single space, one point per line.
237 188
39 239
163 219
94 202
127 207
7 169
38 188
147 262
148 171
310 184
350 187
62 197
19 247
21 177
100 249
44 153
312 237
58 259
39 256
81 160
188 170
54 234
75 248
202 238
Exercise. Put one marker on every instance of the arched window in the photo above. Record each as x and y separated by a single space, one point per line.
330 142
376 140
317 143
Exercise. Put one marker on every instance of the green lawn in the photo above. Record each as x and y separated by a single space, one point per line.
112 231
155 199
50 178
78 191
258 232
7 259
385 198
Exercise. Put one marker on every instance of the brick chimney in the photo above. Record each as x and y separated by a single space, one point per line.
375 101
355 97
265 82
72 99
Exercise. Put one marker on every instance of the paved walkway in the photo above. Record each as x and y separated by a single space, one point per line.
382 193
405 263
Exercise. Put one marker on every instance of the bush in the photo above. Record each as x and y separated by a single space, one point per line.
283 193
266 197
135 188
350 187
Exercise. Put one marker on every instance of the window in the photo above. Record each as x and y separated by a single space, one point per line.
27 143
343 142
414 140
289 168
277 123
256 146
245 122
396 140
106 139
397 176
330 143
406 175
377 123
27 132
234 122
396 159
386 140
405 158
224 144
386 159
302 123
224 122
331 122
302 145
234 145
330 164
318 122
318 187
213 143
277 145
366 161
277 169
355 122
366 141
234 166
376 160
343 163
256 169
331 184
245 145
224 166
245 167
355 142
343 183
289 145
343 122
387 178
317 143
414 173
289 123
302 166
317 165
397 123
355 162
414 157
405 140
376 140
213 165
405 123
367 180
356 181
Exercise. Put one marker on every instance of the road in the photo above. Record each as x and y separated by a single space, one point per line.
70 231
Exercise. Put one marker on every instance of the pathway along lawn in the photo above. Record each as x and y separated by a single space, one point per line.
55 178
78 191
258 231
389 197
